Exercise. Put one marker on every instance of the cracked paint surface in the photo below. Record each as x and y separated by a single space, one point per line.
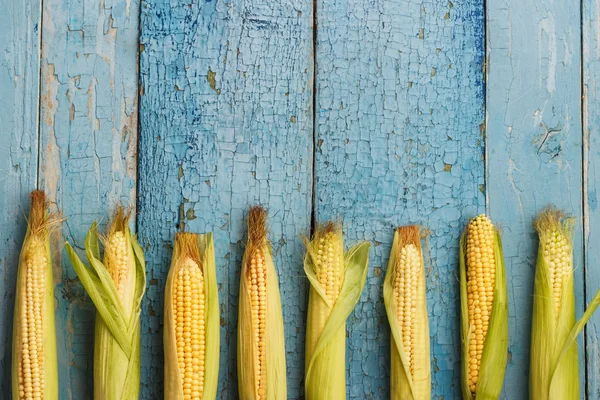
19 83
226 122
534 149
591 184
400 100
226 113
88 124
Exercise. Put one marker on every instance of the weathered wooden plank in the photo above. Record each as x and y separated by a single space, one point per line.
534 147
89 138
226 122
19 83
400 107
591 176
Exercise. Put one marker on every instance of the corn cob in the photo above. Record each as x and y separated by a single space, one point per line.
554 369
337 281
34 362
404 296
261 348
116 288
191 322
484 310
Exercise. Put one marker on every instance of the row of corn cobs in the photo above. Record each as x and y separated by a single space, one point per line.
116 285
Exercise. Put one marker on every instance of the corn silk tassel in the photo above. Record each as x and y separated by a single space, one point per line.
405 302
34 361
116 287
484 310
554 368
191 320
260 347
336 283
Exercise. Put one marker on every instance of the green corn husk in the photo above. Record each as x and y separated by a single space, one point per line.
326 322
118 306
495 347
200 249
35 285
405 385
261 375
554 369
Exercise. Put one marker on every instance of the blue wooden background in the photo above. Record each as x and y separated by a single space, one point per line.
380 112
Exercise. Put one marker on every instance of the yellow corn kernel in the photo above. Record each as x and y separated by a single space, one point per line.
480 288
405 301
406 294
256 274
261 351
191 320
558 254
328 264
484 310
337 280
34 365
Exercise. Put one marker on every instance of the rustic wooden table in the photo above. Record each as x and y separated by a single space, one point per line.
377 112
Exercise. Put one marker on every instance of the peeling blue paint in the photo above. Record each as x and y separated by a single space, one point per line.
226 108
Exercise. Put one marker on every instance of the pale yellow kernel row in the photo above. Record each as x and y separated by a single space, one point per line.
557 253
257 277
408 266
31 370
481 272
117 259
329 265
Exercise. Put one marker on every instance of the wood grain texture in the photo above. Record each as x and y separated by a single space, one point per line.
226 122
399 113
534 148
591 176
19 86
89 136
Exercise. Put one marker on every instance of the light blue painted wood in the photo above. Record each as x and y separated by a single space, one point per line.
591 147
89 137
534 147
226 122
19 82
399 113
